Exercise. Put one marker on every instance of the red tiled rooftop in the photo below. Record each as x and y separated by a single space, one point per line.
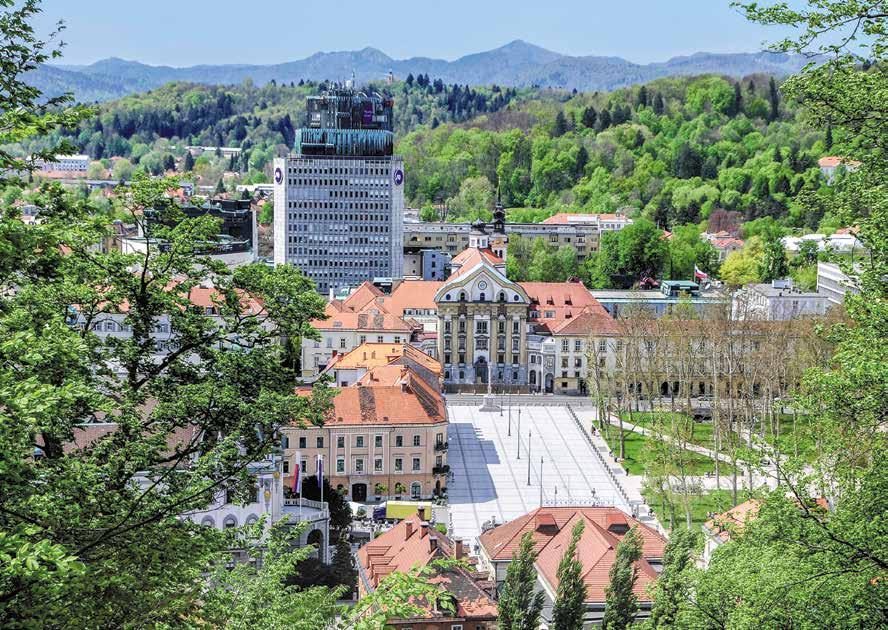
413 544
604 528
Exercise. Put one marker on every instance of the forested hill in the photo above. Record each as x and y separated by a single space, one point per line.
516 64
673 150
152 128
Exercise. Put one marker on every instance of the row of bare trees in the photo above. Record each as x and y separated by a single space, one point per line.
678 373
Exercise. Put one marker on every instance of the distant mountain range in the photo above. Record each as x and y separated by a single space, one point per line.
518 64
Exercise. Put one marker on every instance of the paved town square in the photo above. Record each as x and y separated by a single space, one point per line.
489 481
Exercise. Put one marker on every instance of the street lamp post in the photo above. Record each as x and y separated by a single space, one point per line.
528 455
510 415
541 481
519 432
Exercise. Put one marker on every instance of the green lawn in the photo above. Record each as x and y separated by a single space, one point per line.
699 433
639 451
713 501
793 438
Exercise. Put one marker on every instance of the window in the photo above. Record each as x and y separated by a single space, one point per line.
359 465
379 339
415 490
329 342
359 441
377 441
415 440
340 441
286 467
320 442
578 345
565 345
416 464
340 465
481 328
399 464
302 442
602 345
342 343
362 339
285 441
439 438
399 440
377 464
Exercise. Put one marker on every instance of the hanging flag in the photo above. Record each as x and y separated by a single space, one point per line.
699 275
320 472
297 475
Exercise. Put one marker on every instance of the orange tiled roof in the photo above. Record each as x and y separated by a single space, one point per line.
413 401
551 530
347 320
470 258
362 297
411 544
564 300
371 355
833 160
724 243
734 520
563 218
384 376
412 294
593 319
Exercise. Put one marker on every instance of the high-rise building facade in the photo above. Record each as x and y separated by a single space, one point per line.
339 201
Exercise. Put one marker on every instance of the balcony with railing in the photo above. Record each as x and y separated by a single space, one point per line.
440 446
441 470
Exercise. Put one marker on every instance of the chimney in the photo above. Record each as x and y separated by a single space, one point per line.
408 529
423 529
459 551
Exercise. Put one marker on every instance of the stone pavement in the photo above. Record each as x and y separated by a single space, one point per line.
489 481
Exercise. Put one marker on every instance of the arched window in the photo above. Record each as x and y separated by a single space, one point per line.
415 490
208 522
462 296
502 296
252 519
230 522
482 297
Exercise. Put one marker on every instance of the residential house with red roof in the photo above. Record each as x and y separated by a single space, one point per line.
413 544
386 436
551 528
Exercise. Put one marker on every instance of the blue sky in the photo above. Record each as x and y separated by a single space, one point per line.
188 32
